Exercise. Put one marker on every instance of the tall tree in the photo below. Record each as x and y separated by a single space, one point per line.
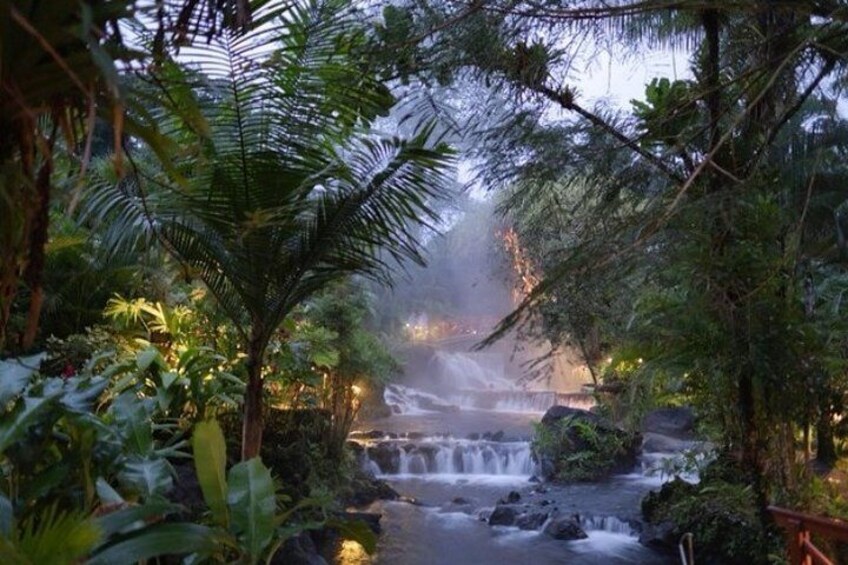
279 190
716 209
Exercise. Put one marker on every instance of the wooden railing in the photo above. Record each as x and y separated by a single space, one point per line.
799 527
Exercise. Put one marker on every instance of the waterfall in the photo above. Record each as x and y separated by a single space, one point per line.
407 400
469 371
439 456
609 524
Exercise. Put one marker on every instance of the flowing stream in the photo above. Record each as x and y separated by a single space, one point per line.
455 453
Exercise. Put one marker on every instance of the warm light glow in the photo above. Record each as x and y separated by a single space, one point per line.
352 553
356 390
521 264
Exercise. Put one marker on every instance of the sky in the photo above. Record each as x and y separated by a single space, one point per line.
619 81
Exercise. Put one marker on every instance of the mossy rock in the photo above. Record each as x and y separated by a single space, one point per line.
578 445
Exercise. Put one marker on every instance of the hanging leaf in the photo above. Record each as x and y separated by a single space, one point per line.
210 460
252 504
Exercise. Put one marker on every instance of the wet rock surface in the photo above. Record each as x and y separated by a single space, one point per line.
673 422
503 515
567 528
366 490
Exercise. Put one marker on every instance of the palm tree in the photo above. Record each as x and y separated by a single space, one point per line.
279 191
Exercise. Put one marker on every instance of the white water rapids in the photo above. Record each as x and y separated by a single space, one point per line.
459 446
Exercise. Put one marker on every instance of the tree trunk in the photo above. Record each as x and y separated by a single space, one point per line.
825 450
251 438
34 273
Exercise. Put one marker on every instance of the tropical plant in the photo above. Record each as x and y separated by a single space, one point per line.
62 445
362 360
244 503
280 198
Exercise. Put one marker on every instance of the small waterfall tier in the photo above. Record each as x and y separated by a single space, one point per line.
410 401
444 456
609 524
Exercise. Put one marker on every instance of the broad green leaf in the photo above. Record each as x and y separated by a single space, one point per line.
252 504
163 539
106 493
150 477
15 424
210 461
168 379
134 419
14 376
79 393
145 358
120 520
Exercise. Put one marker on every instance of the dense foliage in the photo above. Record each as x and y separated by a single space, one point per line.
189 191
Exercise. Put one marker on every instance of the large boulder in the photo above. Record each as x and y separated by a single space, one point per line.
503 515
557 413
565 529
675 422
578 445
662 535
531 520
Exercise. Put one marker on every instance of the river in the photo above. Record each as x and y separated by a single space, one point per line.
453 456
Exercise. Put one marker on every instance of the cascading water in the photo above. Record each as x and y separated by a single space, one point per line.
444 456
455 370
474 381
407 400
457 442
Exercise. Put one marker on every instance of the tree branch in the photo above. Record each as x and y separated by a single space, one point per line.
565 98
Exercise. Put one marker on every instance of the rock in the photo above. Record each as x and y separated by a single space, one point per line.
473 437
503 516
414 435
610 449
556 413
659 536
299 550
531 520
675 422
658 443
385 455
534 479
496 436
459 500
565 529
511 498
367 490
